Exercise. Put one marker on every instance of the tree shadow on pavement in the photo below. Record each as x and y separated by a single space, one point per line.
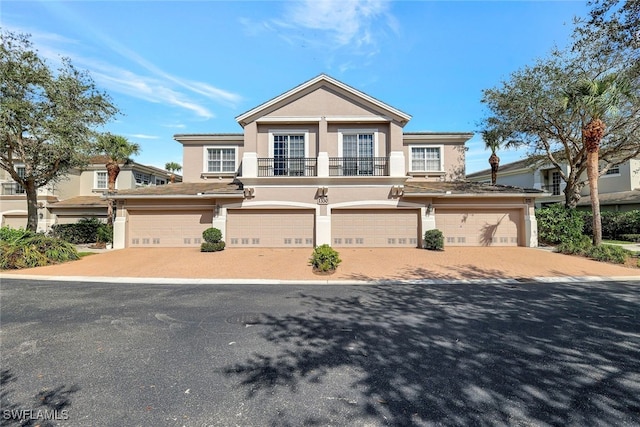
552 354
46 410
412 273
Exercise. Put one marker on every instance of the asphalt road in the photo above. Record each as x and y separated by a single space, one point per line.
206 355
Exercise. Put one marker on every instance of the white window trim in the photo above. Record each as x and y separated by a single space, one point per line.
95 180
342 132
611 175
439 146
205 159
304 132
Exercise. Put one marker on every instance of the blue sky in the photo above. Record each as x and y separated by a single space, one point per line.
192 67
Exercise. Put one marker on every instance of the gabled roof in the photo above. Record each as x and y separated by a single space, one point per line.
321 80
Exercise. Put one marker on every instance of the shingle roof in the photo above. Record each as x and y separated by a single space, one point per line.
508 167
621 197
183 189
81 201
463 187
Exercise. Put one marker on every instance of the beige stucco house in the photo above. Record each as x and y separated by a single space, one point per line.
618 188
325 163
76 195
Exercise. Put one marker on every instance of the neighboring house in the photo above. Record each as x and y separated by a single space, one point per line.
619 188
76 195
324 163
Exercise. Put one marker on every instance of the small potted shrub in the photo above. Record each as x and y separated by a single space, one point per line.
212 240
434 240
324 259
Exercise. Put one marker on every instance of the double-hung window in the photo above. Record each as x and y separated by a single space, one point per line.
19 189
288 154
426 159
222 160
613 170
101 180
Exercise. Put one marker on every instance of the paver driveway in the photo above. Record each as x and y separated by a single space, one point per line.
357 264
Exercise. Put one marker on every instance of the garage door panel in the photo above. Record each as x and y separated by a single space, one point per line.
480 228
168 228
270 228
374 228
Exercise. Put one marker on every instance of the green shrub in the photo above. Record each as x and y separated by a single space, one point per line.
614 224
212 235
83 231
104 234
630 238
609 253
434 240
212 246
579 246
35 250
558 224
325 258
8 234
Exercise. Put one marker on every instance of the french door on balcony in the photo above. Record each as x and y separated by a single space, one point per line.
288 155
358 153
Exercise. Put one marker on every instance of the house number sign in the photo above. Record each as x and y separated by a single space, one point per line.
323 200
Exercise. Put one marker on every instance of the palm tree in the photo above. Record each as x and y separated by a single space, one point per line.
117 150
493 142
172 167
595 99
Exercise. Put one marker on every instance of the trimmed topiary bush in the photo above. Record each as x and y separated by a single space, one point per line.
434 240
325 259
212 235
212 247
212 240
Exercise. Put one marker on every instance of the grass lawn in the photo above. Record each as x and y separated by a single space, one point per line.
617 242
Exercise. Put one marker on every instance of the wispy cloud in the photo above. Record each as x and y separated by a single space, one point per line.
155 85
357 25
143 136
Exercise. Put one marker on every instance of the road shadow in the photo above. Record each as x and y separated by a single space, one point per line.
48 407
412 273
552 354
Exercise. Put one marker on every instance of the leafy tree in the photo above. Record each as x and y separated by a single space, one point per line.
532 103
172 167
594 100
117 150
47 118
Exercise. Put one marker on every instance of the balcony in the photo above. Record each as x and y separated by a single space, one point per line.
358 166
12 189
287 166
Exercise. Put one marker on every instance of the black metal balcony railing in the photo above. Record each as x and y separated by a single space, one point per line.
287 166
358 166
554 189
12 188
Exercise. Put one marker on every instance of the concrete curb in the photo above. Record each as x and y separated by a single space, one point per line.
164 281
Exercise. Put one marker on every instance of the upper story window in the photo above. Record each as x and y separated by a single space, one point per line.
100 180
221 159
142 178
19 189
427 159
613 170
160 181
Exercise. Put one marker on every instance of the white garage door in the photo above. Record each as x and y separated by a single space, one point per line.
479 228
14 221
375 228
175 228
270 228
